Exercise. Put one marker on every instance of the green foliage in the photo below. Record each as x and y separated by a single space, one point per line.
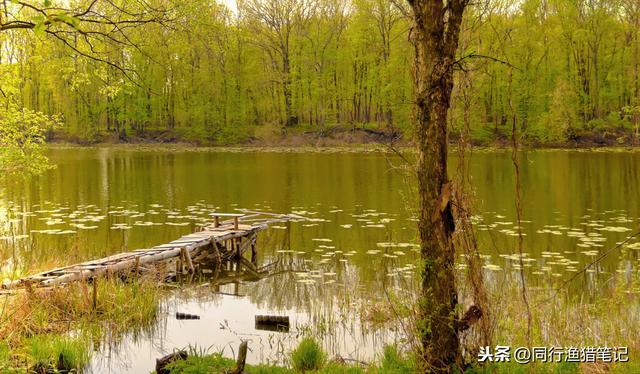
615 121
562 76
22 136
567 368
335 63
5 355
308 355
517 368
123 306
561 117
72 354
201 363
597 125
55 328
59 351
41 351
215 81
334 368
394 363
269 369
625 367
631 113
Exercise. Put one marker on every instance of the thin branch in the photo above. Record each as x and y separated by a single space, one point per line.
478 55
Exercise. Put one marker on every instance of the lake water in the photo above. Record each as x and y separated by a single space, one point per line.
360 238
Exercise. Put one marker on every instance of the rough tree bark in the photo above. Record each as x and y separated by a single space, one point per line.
435 36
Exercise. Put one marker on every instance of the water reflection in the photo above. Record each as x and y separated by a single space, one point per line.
360 237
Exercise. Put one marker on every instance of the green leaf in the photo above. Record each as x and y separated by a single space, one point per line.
39 28
66 18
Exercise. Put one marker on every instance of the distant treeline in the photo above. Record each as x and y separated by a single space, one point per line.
561 69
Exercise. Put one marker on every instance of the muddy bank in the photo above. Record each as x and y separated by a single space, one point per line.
336 136
327 137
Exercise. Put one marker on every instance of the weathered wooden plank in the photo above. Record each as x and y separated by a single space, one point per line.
187 244
167 246
39 277
186 241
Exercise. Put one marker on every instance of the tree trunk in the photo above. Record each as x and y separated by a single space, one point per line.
636 58
286 91
435 37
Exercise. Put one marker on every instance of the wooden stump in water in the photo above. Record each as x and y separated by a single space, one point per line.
161 363
95 294
254 254
186 316
64 366
187 256
39 369
272 323
242 358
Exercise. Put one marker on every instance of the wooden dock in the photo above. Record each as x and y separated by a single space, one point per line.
229 236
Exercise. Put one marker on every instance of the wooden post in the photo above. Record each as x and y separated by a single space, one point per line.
238 255
254 253
236 222
95 293
214 278
288 235
216 221
29 289
136 267
162 362
187 257
216 253
242 358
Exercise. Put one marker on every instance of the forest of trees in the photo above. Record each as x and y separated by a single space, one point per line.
217 75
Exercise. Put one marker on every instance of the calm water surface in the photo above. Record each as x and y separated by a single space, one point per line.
359 239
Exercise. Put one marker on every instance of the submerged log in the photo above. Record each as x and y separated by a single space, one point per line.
161 363
279 320
271 327
181 316
272 323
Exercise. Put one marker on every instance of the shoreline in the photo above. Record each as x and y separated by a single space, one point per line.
322 148
335 137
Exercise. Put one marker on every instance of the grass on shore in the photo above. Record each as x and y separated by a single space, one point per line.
562 320
391 362
56 327
308 357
